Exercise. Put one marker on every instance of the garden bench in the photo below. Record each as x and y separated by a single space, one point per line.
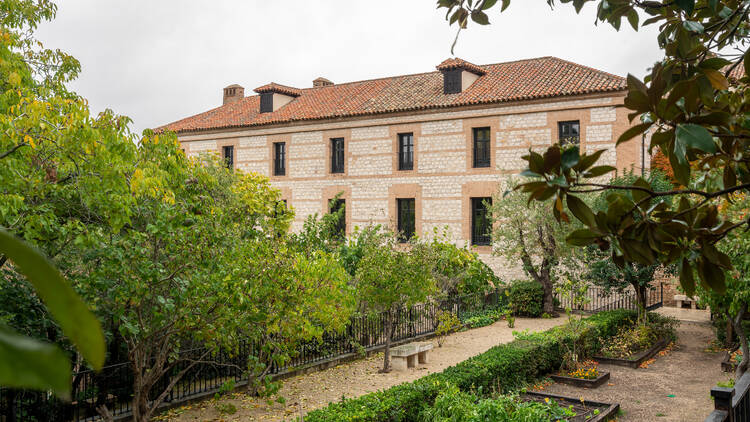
683 299
404 356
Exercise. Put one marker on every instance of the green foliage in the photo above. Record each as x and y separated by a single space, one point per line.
525 298
226 408
448 323
482 317
454 405
458 270
503 368
631 340
695 112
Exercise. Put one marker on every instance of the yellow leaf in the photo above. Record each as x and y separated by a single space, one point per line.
718 81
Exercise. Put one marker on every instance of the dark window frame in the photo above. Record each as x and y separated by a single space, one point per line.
406 218
279 158
565 135
452 81
338 155
228 158
266 102
334 205
481 148
481 224
406 151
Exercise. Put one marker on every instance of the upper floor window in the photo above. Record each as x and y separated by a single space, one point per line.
227 153
480 221
337 155
406 151
406 226
338 206
279 158
569 132
481 147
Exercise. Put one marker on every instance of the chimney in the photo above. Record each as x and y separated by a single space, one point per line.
233 93
321 81
273 96
458 75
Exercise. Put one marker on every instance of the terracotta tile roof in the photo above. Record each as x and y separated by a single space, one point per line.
544 77
456 63
736 74
281 89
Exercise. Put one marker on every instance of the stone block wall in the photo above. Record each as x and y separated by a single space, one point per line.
443 168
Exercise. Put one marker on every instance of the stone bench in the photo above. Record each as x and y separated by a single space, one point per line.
404 356
679 300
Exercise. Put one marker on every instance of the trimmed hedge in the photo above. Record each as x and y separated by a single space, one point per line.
526 298
505 367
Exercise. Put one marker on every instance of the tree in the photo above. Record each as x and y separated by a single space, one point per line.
389 279
603 272
531 237
695 102
734 304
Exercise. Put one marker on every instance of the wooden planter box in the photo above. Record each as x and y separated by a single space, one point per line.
580 382
584 410
636 360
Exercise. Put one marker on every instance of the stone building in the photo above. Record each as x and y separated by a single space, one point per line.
415 152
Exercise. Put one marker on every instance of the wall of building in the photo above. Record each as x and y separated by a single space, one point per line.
442 180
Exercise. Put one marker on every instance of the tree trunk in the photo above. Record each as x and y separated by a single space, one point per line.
388 334
549 297
640 296
742 335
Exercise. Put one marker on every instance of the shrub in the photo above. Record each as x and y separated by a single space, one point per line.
504 368
630 340
526 298
448 323
482 318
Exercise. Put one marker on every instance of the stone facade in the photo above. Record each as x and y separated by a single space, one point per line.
443 179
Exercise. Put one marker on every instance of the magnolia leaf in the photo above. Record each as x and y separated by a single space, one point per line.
581 211
687 281
717 79
488 3
570 158
693 136
599 171
687 5
30 363
480 17
76 321
633 132
693 26
582 237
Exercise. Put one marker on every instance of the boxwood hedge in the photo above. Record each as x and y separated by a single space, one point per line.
505 367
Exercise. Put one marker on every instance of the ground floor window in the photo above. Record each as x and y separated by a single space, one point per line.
406 225
481 226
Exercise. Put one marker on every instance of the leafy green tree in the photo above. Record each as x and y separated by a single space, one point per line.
603 272
695 103
734 304
531 237
459 270
389 278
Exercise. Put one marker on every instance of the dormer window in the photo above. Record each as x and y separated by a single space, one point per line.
458 75
274 96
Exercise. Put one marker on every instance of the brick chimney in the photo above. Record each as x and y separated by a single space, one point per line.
233 93
321 81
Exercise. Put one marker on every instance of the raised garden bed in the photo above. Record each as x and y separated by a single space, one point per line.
581 382
586 411
637 359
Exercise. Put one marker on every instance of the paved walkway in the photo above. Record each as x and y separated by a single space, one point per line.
685 314
307 392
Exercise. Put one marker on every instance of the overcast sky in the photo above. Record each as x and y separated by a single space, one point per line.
160 61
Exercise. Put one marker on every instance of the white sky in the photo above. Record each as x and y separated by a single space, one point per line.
159 61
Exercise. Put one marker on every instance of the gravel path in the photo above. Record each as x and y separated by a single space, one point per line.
675 387
308 392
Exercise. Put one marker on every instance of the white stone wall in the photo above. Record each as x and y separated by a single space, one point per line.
441 143
368 165
442 162
603 114
598 133
442 126
370 132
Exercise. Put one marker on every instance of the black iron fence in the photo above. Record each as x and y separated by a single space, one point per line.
601 299
112 386
732 404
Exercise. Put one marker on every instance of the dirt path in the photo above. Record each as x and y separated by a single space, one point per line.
675 387
308 392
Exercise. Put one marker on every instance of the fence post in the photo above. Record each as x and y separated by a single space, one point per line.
722 398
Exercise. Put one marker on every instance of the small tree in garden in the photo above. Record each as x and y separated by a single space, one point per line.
573 291
458 270
604 272
530 235
734 304
390 278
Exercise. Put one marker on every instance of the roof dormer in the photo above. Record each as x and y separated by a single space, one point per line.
458 75
274 96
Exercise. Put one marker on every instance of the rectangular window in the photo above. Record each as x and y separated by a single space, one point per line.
279 158
337 155
406 226
481 225
406 151
334 206
481 147
228 154
569 132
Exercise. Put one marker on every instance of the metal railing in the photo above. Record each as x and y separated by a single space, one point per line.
602 299
731 404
